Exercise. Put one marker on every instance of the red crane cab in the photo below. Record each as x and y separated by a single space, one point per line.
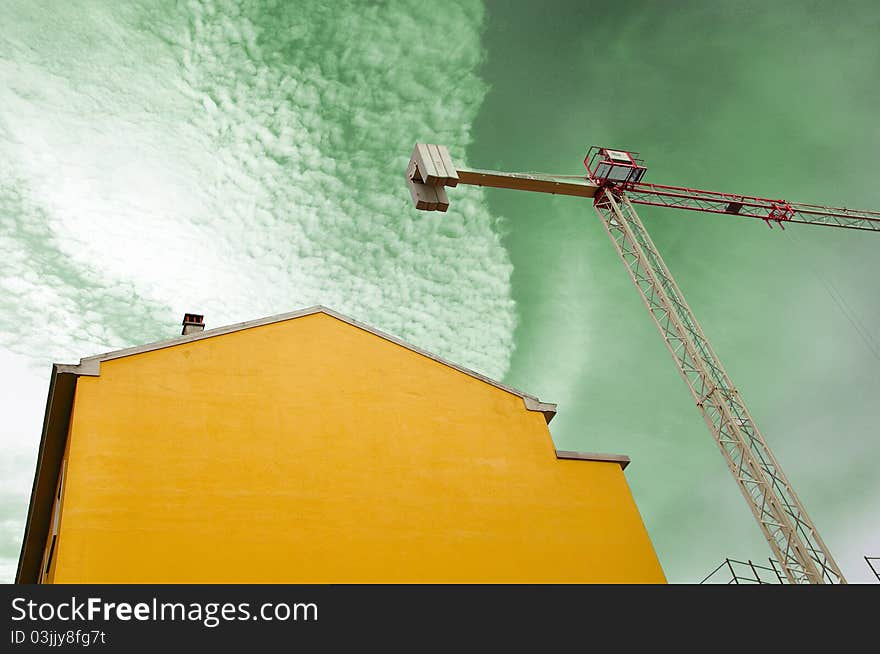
609 167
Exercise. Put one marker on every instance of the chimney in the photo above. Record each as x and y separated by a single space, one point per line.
192 323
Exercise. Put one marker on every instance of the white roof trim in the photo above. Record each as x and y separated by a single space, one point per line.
91 366
621 459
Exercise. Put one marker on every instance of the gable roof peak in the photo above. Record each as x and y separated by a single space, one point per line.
91 366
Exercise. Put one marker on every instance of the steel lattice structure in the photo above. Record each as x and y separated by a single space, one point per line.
870 561
744 572
778 211
615 184
780 514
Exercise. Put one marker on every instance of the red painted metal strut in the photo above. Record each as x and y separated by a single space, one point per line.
660 195
623 171
766 209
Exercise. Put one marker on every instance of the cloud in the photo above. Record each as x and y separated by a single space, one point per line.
238 159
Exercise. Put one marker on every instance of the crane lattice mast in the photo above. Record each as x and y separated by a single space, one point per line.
615 184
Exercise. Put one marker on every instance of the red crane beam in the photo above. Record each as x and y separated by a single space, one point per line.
766 209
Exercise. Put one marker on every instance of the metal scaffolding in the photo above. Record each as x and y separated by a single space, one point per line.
732 571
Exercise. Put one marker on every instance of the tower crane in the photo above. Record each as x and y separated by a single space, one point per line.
614 181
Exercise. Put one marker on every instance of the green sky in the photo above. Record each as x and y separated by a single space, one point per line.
246 158
776 99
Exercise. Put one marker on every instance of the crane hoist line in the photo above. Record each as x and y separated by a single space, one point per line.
614 182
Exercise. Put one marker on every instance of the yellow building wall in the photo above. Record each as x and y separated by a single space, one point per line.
313 451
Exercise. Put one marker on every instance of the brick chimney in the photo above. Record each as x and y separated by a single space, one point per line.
192 323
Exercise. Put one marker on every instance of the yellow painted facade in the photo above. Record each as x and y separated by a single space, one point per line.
310 450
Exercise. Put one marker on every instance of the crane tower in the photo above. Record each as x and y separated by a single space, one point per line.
614 182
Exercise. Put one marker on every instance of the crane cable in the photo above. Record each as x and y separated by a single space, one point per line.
841 302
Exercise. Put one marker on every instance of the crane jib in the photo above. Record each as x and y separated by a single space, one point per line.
766 209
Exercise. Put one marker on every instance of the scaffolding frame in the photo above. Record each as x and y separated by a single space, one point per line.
746 572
